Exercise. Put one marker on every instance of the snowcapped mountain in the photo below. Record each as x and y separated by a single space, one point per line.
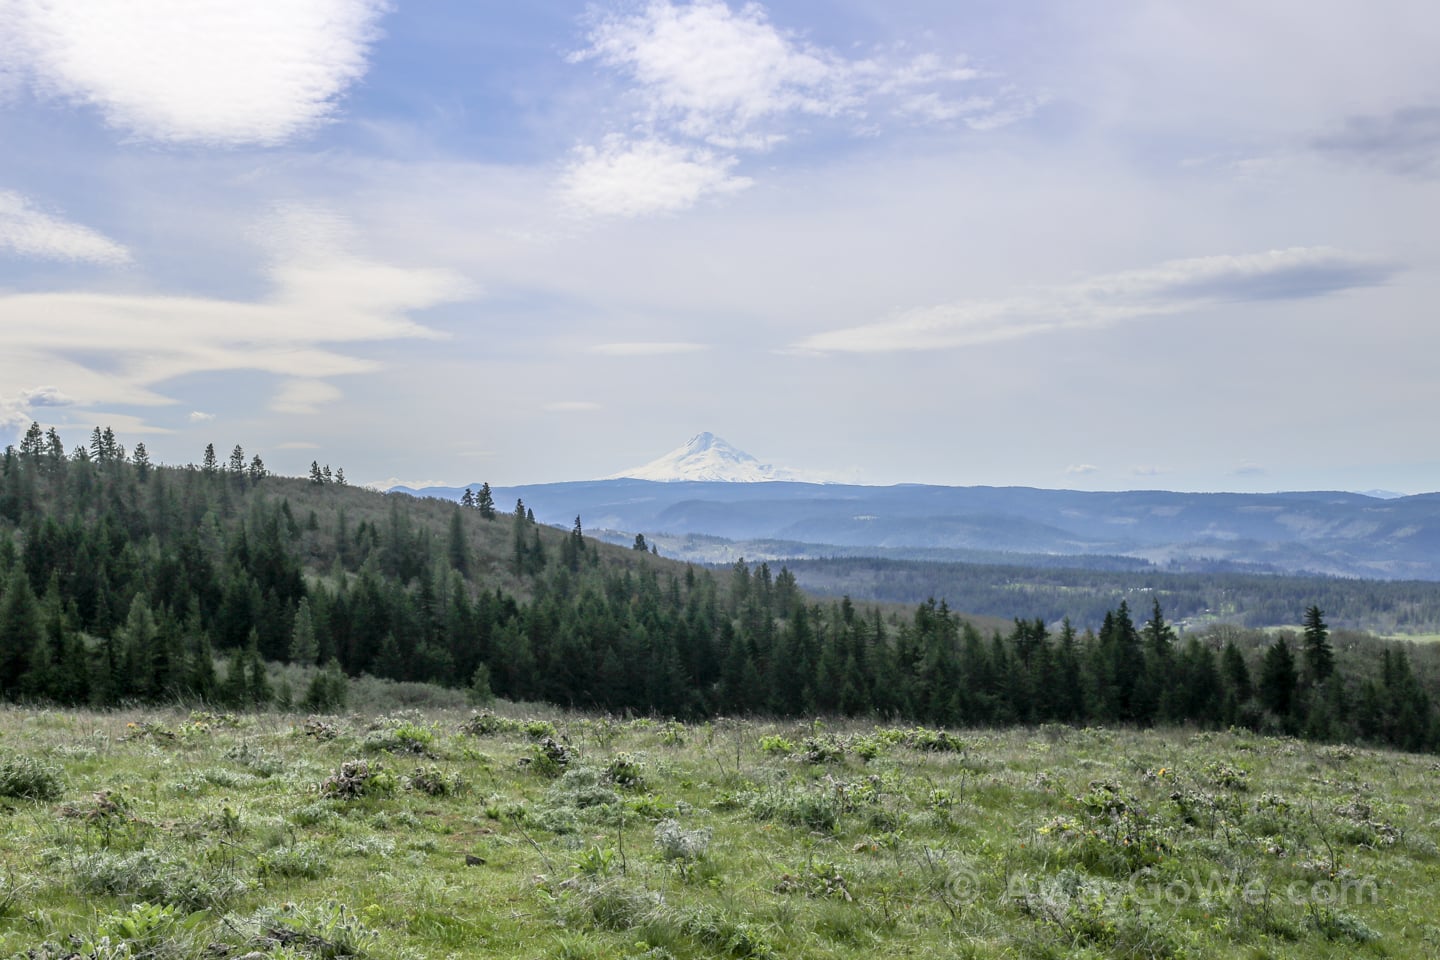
707 457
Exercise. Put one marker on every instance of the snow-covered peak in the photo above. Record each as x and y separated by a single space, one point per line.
707 457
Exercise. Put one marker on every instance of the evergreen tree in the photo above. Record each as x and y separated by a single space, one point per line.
304 648
1319 656
328 691
19 630
640 543
457 549
485 502
141 458
1278 678
209 465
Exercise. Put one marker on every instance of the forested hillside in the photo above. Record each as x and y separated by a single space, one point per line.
125 581
1058 589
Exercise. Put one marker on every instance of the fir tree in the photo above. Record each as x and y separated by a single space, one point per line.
485 502
1319 656
1278 678
304 649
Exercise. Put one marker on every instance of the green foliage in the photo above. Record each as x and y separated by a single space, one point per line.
625 770
434 782
773 743
28 779
358 778
323 931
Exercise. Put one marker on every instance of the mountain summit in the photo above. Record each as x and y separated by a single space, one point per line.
707 457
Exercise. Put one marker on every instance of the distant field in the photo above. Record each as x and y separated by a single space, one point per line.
450 835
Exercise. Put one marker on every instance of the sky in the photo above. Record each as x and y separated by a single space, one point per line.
1136 244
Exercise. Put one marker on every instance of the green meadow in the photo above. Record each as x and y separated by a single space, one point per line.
528 832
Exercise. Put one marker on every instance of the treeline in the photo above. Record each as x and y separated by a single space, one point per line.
1085 594
124 581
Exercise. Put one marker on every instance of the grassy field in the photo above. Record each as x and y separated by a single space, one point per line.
541 834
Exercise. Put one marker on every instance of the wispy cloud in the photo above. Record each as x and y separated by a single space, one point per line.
199 416
647 348
118 348
731 77
30 232
1172 287
704 76
1081 469
630 178
194 71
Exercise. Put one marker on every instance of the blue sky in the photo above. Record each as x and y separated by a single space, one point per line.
1137 244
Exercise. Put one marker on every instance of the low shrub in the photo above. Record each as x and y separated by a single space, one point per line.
357 778
26 778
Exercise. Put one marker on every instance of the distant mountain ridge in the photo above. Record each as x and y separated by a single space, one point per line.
709 501
707 458
1326 532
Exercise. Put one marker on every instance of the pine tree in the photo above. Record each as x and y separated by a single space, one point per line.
209 465
304 649
1319 656
457 548
141 458
1278 678
19 630
640 543
485 502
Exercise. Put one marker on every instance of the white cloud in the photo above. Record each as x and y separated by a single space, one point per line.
631 178
304 396
717 72
647 348
570 406
197 416
1148 470
194 71
1081 469
723 76
1171 287
30 232
704 75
